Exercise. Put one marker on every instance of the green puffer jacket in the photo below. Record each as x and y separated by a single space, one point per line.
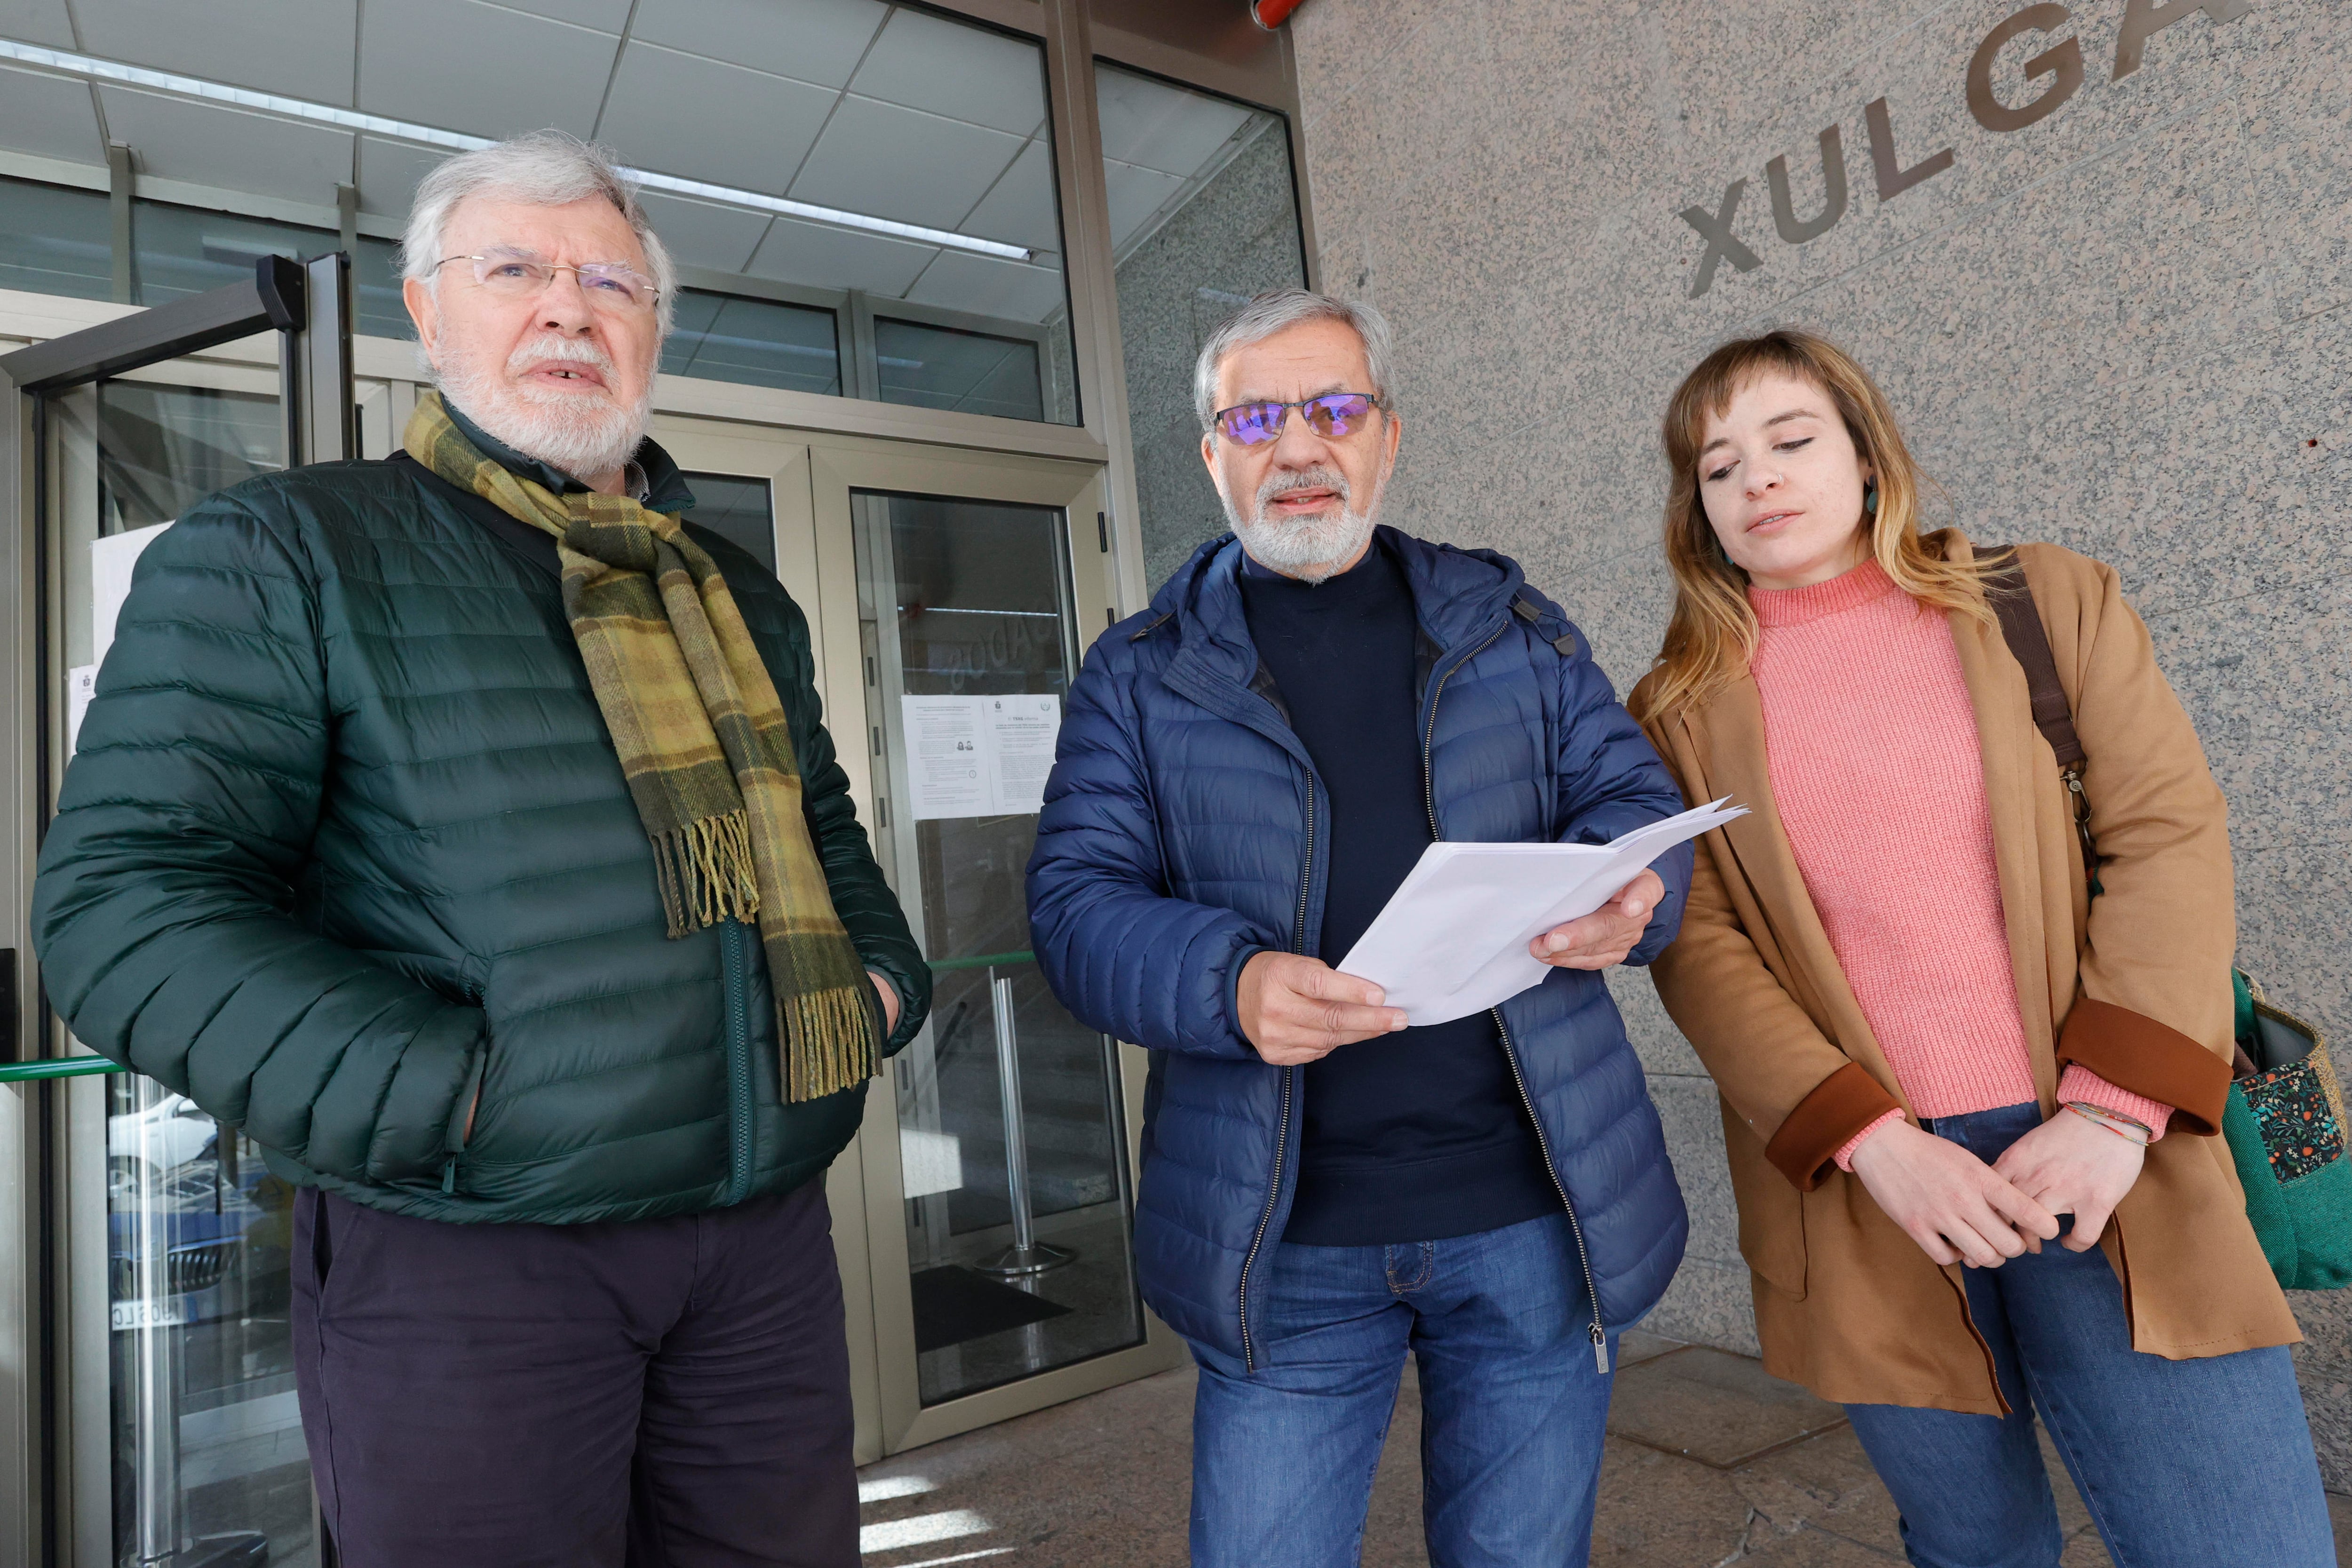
346 837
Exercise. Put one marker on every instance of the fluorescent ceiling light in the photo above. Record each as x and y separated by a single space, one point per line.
95 69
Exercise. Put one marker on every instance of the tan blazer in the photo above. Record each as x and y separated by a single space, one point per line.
2135 985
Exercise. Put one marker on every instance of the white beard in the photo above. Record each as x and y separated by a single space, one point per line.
1310 549
581 433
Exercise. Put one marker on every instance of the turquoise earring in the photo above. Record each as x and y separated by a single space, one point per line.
1870 499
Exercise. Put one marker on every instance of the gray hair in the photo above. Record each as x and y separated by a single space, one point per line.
544 168
1271 312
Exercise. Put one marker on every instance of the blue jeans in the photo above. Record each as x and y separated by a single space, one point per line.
2206 1463
1513 1406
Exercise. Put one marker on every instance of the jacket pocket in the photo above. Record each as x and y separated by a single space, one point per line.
1772 1211
466 1110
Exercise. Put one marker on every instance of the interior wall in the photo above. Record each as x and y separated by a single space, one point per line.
2122 327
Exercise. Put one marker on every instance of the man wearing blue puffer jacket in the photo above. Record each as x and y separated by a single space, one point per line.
1246 772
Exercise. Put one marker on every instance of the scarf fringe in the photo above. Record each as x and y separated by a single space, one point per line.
707 873
829 1040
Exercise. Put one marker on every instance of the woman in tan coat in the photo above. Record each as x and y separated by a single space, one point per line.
1969 1100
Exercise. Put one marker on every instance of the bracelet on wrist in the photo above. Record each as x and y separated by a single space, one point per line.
2114 1122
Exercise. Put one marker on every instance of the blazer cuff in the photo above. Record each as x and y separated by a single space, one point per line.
1805 1149
2153 1060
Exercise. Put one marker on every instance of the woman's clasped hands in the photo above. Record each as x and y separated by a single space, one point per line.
1957 1207
1961 1210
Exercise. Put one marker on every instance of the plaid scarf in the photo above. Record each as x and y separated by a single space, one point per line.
703 742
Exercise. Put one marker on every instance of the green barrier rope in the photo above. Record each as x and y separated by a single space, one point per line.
57 1066
78 1067
984 961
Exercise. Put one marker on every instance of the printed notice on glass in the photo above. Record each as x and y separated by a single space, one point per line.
111 563
979 756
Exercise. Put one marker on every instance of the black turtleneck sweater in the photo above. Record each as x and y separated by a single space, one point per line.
1421 1134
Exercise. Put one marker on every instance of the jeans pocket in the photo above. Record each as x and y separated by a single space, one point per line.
322 1243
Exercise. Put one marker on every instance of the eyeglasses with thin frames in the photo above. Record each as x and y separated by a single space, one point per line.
514 275
1334 416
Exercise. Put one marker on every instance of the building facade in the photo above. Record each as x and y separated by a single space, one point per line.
2100 259
946 269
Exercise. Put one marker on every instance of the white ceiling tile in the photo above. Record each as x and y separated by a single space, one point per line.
1162 127
1135 194
961 281
604 16
209 144
388 175
827 258
300 47
37 22
701 234
895 163
1021 210
697 118
962 71
818 41
51 117
480 69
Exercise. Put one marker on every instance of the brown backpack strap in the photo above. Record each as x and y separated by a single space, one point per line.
2012 599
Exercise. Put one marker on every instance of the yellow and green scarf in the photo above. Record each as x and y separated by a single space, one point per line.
703 741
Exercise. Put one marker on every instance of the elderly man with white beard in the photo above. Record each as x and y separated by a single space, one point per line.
1246 772
464 828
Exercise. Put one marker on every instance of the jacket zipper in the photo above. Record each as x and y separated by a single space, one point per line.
1510 1054
1282 1122
1600 1336
739 1063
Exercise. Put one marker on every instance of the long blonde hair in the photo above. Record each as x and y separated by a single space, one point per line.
1712 635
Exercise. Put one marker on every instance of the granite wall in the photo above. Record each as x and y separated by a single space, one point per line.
2122 327
1238 236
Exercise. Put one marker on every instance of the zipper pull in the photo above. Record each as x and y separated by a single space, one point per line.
1600 1349
449 1184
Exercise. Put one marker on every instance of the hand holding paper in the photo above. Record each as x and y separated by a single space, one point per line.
1609 935
1452 939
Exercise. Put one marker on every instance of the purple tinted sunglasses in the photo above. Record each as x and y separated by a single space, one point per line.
1336 414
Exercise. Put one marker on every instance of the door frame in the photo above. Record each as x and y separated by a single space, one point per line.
811 474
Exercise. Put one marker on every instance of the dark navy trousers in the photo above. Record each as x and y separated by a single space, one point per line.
644 1394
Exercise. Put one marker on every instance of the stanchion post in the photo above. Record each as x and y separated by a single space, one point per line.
1027 1255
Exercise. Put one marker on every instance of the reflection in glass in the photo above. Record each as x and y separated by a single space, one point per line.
888 111
1204 215
762 343
57 240
161 449
206 1437
943 367
177 251
968 601
209 1456
737 510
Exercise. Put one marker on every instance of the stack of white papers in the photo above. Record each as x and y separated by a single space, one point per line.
1452 939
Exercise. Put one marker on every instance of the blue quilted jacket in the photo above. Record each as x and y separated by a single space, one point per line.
1184 830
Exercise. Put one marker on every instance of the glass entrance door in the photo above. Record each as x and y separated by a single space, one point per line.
203 1443
173 1431
1010 1123
998 1152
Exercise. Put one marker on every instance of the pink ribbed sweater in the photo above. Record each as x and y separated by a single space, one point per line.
1870 739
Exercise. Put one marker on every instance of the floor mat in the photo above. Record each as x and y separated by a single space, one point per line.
954 1304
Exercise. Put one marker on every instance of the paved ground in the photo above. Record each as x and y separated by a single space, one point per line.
1709 1463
